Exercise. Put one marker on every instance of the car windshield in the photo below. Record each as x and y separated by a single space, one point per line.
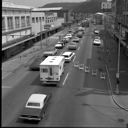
97 40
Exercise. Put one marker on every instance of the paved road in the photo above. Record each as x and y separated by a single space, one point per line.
80 100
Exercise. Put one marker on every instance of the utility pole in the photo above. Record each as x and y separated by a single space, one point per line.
118 62
41 33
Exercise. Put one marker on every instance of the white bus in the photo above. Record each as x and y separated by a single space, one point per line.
51 69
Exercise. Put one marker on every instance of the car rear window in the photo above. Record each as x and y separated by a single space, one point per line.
33 104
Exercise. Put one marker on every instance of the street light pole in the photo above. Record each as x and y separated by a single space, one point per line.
118 63
41 34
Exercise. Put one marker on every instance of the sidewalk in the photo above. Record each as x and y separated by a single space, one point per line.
111 61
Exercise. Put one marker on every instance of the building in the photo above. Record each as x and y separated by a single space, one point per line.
45 19
120 17
38 21
16 22
98 18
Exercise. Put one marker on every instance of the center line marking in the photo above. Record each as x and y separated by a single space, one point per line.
65 78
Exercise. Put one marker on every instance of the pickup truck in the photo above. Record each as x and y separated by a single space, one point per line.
35 107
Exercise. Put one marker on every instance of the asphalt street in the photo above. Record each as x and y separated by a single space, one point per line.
80 99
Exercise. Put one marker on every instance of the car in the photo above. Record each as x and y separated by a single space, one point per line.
80 34
59 46
34 66
35 107
69 35
65 40
76 39
50 53
96 32
66 37
68 56
97 37
97 42
61 42
72 46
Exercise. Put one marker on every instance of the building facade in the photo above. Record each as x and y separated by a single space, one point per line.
45 19
16 22
120 17
38 21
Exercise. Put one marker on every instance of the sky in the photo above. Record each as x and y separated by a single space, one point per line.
37 3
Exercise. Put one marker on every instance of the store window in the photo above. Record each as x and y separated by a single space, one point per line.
33 19
23 21
36 19
42 18
17 22
3 23
10 23
28 20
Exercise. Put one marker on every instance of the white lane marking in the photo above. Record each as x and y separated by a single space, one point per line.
65 78
78 48
6 87
74 58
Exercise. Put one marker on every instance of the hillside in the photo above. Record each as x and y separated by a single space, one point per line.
65 5
89 6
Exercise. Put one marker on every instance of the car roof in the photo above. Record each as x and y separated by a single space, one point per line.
37 97
58 44
67 53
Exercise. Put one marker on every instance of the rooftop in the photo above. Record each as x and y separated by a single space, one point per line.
37 98
52 60
47 9
12 5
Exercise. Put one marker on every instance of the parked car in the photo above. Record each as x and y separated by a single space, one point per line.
97 37
59 46
97 42
97 32
50 53
68 56
34 66
72 46
69 35
35 107
61 42
65 40
80 34
76 39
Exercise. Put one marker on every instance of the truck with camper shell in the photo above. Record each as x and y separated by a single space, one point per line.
51 69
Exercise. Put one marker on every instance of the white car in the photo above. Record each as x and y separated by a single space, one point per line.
59 46
35 107
68 56
97 42
69 35
96 31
